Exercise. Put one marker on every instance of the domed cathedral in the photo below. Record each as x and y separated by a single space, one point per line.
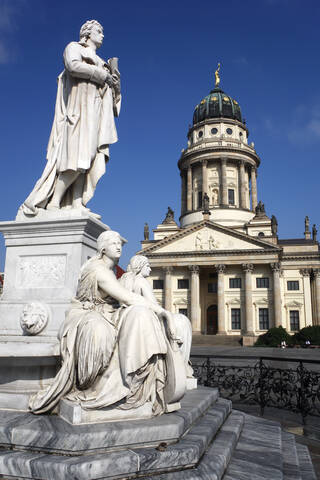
224 265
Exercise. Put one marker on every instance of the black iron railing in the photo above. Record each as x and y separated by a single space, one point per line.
265 381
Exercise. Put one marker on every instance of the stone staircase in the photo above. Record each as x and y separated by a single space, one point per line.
205 440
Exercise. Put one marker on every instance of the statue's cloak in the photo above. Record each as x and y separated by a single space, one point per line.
83 127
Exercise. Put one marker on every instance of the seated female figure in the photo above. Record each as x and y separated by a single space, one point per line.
178 325
111 354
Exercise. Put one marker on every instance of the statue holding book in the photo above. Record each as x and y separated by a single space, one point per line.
88 100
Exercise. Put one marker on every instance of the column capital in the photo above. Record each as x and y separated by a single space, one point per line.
241 162
253 168
167 270
194 269
204 161
275 267
316 272
221 268
224 160
305 272
247 267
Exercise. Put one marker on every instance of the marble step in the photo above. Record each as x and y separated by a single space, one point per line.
51 434
217 456
306 468
258 454
128 462
291 467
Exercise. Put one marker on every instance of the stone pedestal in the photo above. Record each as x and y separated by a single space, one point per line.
43 261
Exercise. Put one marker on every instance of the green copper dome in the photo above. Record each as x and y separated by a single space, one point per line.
217 104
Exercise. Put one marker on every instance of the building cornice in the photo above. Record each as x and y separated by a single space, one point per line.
187 157
211 253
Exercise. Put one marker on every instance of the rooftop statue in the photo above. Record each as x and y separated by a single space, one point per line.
169 216
88 99
217 76
114 346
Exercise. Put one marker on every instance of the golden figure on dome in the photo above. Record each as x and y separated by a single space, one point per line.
217 76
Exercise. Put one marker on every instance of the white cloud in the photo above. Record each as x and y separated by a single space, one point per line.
305 125
241 60
10 10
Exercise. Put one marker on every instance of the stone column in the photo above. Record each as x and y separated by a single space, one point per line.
316 273
222 328
305 272
243 203
254 196
183 192
189 189
223 182
204 177
195 299
167 288
249 323
276 268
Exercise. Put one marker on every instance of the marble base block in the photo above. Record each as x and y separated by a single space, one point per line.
76 415
43 261
192 383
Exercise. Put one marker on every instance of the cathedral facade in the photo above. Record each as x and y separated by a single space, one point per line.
224 265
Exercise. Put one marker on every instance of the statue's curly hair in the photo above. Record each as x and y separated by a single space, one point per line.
86 28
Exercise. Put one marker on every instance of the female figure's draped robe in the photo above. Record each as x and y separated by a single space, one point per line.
111 355
83 127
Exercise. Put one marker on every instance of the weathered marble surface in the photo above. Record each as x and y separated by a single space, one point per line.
219 445
35 271
50 433
75 415
306 468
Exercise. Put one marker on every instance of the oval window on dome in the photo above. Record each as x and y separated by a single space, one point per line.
214 99
226 99
214 131
200 134
235 102
229 131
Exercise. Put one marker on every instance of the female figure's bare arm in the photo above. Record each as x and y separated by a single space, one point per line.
108 283
145 289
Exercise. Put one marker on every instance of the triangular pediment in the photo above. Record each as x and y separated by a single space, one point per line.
207 236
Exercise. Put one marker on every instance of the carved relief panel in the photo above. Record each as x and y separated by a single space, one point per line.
41 271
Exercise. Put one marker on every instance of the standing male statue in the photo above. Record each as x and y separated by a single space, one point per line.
88 99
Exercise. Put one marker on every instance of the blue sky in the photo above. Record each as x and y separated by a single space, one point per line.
168 51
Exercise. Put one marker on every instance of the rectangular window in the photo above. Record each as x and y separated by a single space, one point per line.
293 285
158 284
234 282
212 287
235 319
294 320
231 196
183 283
183 311
263 319
199 199
263 282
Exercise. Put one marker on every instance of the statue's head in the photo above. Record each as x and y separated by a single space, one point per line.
93 30
110 243
139 264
